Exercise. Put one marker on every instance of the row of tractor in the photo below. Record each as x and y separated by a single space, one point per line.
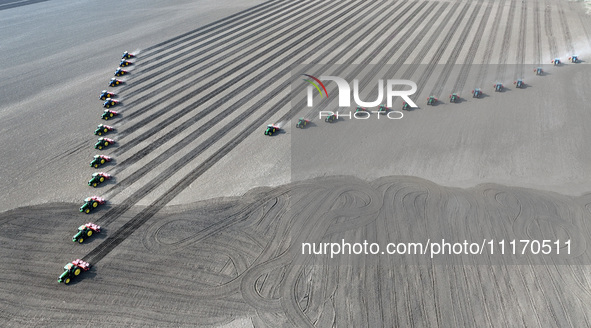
431 100
78 266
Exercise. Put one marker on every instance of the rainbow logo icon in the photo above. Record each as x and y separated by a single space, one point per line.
311 80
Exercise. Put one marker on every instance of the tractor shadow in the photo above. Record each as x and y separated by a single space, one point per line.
99 209
336 120
482 95
505 89
90 274
96 237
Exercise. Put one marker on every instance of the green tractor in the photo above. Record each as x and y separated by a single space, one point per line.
72 270
85 231
102 129
91 203
99 160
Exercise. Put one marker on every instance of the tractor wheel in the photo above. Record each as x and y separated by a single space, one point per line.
77 271
89 233
96 166
67 281
111 114
81 240
87 211
100 147
108 106
101 179
273 130
270 133
100 133
106 143
102 161
106 130
95 204
94 184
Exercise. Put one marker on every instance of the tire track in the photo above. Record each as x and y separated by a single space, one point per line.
121 234
520 58
211 26
441 49
166 68
200 78
367 60
449 65
219 90
204 128
582 17
417 61
289 115
548 29
177 147
117 238
499 76
412 46
198 116
465 70
567 37
490 46
537 34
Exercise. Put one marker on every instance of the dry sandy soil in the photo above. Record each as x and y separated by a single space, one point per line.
206 216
